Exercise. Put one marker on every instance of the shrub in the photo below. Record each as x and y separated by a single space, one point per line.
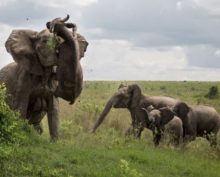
12 128
213 92
126 171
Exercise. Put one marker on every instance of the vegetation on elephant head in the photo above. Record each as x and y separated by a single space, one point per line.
53 42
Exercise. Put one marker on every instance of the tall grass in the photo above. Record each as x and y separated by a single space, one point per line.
96 94
108 152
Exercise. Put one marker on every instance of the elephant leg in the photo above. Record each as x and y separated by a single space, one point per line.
212 138
157 134
137 128
22 93
129 131
35 120
135 131
157 138
21 106
38 128
138 132
176 140
53 116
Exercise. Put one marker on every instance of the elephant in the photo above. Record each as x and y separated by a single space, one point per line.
198 120
33 82
164 122
131 98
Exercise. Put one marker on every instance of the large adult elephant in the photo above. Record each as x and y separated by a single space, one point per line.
198 120
131 98
32 81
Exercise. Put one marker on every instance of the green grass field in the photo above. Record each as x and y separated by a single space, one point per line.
108 152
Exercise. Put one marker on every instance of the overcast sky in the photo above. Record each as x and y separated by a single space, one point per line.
128 39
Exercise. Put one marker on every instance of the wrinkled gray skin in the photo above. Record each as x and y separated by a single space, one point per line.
31 81
131 98
197 121
69 87
164 122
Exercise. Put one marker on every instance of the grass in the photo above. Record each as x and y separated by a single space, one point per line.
108 152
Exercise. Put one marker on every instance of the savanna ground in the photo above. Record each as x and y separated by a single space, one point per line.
108 152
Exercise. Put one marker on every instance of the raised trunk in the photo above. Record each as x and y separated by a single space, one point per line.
104 113
69 74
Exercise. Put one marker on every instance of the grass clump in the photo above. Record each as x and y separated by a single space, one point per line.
213 92
126 171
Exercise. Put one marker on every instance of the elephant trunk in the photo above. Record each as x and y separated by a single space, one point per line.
68 65
104 113
136 95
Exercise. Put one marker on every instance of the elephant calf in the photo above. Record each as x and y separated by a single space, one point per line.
197 121
164 122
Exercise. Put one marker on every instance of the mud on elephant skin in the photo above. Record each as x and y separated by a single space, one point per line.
31 81
163 122
198 120
130 97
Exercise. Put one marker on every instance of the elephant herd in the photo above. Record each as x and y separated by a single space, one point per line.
47 66
164 115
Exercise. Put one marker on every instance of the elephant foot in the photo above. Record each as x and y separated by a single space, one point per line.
38 128
156 139
135 132
54 138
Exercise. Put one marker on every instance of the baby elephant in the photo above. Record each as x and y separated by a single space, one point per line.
198 120
164 122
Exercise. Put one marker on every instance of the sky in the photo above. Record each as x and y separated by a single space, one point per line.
130 40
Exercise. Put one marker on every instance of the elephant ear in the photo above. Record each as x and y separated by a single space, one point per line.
135 92
181 109
82 44
166 115
20 45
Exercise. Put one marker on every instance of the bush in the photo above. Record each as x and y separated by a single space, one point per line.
126 171
12 128
213 92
